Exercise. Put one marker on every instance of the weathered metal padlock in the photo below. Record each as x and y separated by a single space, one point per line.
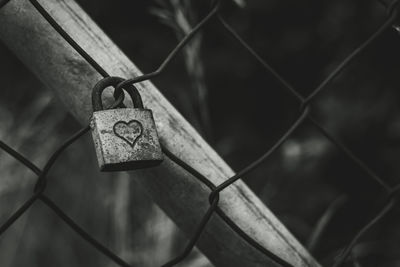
124 138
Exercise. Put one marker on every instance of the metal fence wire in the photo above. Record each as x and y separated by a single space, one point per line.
305 104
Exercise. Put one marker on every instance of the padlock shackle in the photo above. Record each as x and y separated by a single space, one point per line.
98 89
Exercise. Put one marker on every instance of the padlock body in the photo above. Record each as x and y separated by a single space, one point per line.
125 139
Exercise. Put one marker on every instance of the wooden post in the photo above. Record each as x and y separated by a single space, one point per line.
184 199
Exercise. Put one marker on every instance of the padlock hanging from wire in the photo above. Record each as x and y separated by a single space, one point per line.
124 138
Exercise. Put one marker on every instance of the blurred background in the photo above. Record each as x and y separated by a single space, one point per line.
240 110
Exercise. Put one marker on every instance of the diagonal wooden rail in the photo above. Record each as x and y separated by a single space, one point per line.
184 199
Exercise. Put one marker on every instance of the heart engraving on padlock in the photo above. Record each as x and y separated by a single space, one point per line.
129 131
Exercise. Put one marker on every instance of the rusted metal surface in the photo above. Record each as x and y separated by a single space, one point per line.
125 139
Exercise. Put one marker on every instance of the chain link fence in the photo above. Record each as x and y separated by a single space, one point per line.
305 104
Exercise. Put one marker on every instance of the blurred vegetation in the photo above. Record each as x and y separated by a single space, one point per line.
240 109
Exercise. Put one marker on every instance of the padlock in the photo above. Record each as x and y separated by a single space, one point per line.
124 138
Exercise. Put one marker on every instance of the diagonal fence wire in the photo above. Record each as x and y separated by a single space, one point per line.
305 115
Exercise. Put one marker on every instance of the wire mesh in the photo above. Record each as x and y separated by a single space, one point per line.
305 104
